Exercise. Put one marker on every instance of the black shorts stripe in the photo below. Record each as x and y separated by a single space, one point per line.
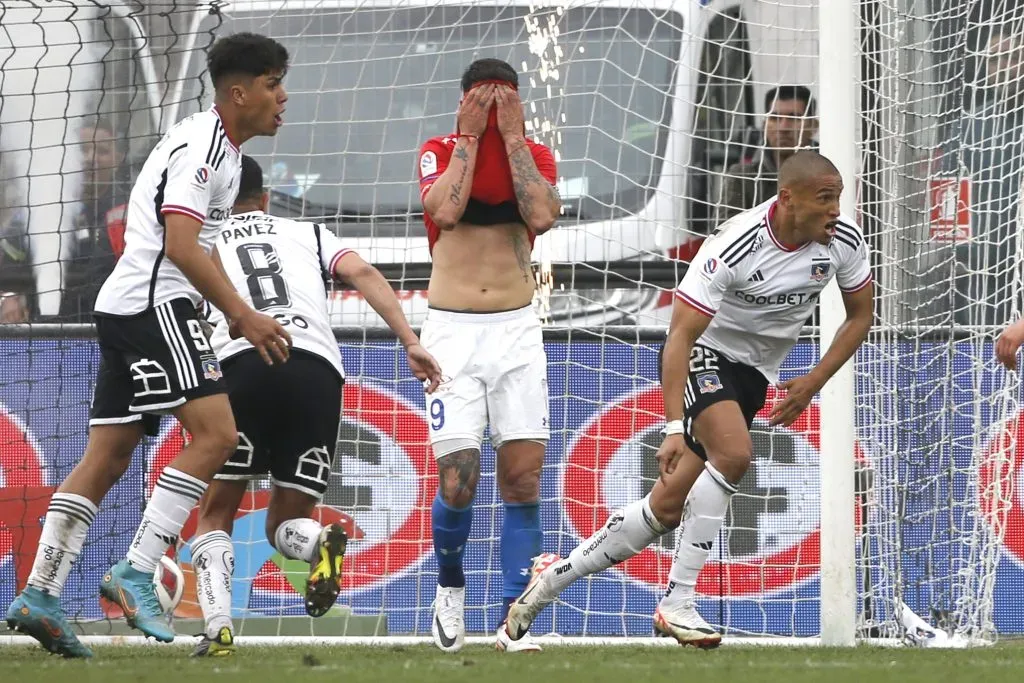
182 358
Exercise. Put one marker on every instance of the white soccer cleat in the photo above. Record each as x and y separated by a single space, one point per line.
505 644
538 595
685 624
449 624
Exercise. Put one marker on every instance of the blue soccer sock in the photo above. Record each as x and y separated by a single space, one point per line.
451 531
521 541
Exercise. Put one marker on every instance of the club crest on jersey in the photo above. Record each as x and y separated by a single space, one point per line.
711 265
202 175
819 271
708 382
428 164
211 369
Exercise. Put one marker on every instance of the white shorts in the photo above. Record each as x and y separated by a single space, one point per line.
494 372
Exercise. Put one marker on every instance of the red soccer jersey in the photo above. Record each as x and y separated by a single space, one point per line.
488 185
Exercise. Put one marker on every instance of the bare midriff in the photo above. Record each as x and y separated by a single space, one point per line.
482 268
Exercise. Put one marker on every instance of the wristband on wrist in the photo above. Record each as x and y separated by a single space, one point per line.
673 427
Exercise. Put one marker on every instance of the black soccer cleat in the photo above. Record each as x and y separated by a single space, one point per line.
324 580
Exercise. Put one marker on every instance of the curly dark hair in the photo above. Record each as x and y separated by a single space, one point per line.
488 69
245 54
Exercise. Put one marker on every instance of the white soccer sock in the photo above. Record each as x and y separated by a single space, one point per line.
174 496
296 539
626 533
67 523
213 557
703 516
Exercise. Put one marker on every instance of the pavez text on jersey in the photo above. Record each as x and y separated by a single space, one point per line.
194 171
760 292
280 267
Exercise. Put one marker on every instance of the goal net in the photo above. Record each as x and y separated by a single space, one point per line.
656 112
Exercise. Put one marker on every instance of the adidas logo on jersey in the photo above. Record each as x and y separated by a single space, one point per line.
756 277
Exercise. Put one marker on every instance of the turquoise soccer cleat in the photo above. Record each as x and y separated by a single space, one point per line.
39 615
134 593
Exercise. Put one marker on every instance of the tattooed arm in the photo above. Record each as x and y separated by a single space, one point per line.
446 200
538 200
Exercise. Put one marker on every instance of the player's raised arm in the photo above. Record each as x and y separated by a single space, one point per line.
369 282
446 196
533 179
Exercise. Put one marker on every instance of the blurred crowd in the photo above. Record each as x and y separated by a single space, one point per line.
92 246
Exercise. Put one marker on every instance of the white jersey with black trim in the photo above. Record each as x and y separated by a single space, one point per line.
281 268
194 171
760 292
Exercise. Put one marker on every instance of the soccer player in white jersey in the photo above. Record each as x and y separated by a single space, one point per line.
154 356
287 415
487 192
738 311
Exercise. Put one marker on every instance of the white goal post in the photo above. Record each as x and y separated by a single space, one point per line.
839 57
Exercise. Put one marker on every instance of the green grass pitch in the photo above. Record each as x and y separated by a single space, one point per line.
479 664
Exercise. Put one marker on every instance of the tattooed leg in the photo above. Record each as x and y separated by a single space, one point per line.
458 474
452 513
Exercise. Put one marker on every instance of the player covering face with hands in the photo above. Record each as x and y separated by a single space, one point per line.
287 415
737 313
487 192
155 357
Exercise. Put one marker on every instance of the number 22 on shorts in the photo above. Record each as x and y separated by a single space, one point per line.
436 414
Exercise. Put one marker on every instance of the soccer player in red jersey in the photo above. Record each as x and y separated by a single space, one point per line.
487 192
